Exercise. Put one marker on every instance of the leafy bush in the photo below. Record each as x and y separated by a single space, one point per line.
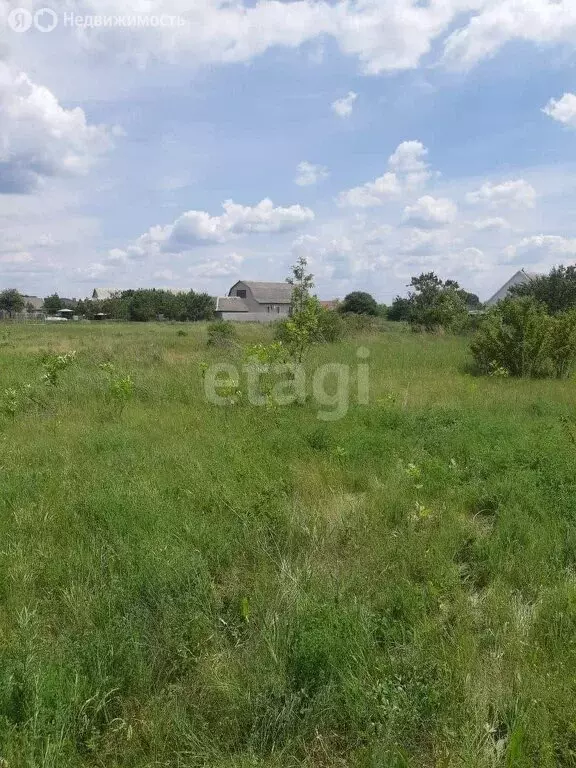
54 364
556 290
221 333
563 343
359 303
519 337
330 326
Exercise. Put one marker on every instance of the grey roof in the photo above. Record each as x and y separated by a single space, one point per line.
520 278
231 304
105 293
269 293
36 302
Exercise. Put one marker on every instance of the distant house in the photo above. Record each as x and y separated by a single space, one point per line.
256 302
33 304
332 304
520 278
99 294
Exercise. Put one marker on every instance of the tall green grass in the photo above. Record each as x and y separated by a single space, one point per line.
188 585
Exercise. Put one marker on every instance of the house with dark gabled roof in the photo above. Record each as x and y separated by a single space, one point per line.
255 302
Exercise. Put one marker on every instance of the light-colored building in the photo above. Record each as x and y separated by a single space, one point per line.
520 278
99 294
249 301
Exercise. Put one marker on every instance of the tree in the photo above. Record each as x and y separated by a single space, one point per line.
400 309
11 301
436 304
359 303
302 328
556 290
52 304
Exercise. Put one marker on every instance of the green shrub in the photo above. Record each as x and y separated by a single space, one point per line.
563 343
518 336
221 333
330 326
359 303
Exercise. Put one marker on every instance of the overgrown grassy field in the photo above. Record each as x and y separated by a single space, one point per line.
183 584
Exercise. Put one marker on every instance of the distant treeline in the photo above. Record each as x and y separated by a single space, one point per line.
148 304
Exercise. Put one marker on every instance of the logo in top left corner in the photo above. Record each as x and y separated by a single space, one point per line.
21 20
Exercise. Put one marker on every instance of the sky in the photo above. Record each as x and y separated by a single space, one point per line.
191 143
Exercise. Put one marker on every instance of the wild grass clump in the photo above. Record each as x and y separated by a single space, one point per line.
221 333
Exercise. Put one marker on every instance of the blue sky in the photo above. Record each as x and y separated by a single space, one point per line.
379 139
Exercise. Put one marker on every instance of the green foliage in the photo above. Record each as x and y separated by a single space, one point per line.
557 291
53 365
331 326
359 303
400 310
302 329
519 336
221 333
16 400
435 304
52 304
146 304
562 346
11 301
120 387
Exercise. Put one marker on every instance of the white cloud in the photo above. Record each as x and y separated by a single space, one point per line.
383 35
563 110
40 139
407 170
545 250
491 223
518 193
196 227
408 158
422 242
345 106
496 23
429 212
308 174
372 193
225 266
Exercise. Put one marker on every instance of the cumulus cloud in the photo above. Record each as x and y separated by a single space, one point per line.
407 170
194 228
225 266
424 242
429 212
40 139
563 110
308 174
516 194
383 35
495 24
543 249
491 223
345 106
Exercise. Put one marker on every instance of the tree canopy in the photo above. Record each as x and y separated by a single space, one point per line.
53 303
359 303
11 301
434 303
556 290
